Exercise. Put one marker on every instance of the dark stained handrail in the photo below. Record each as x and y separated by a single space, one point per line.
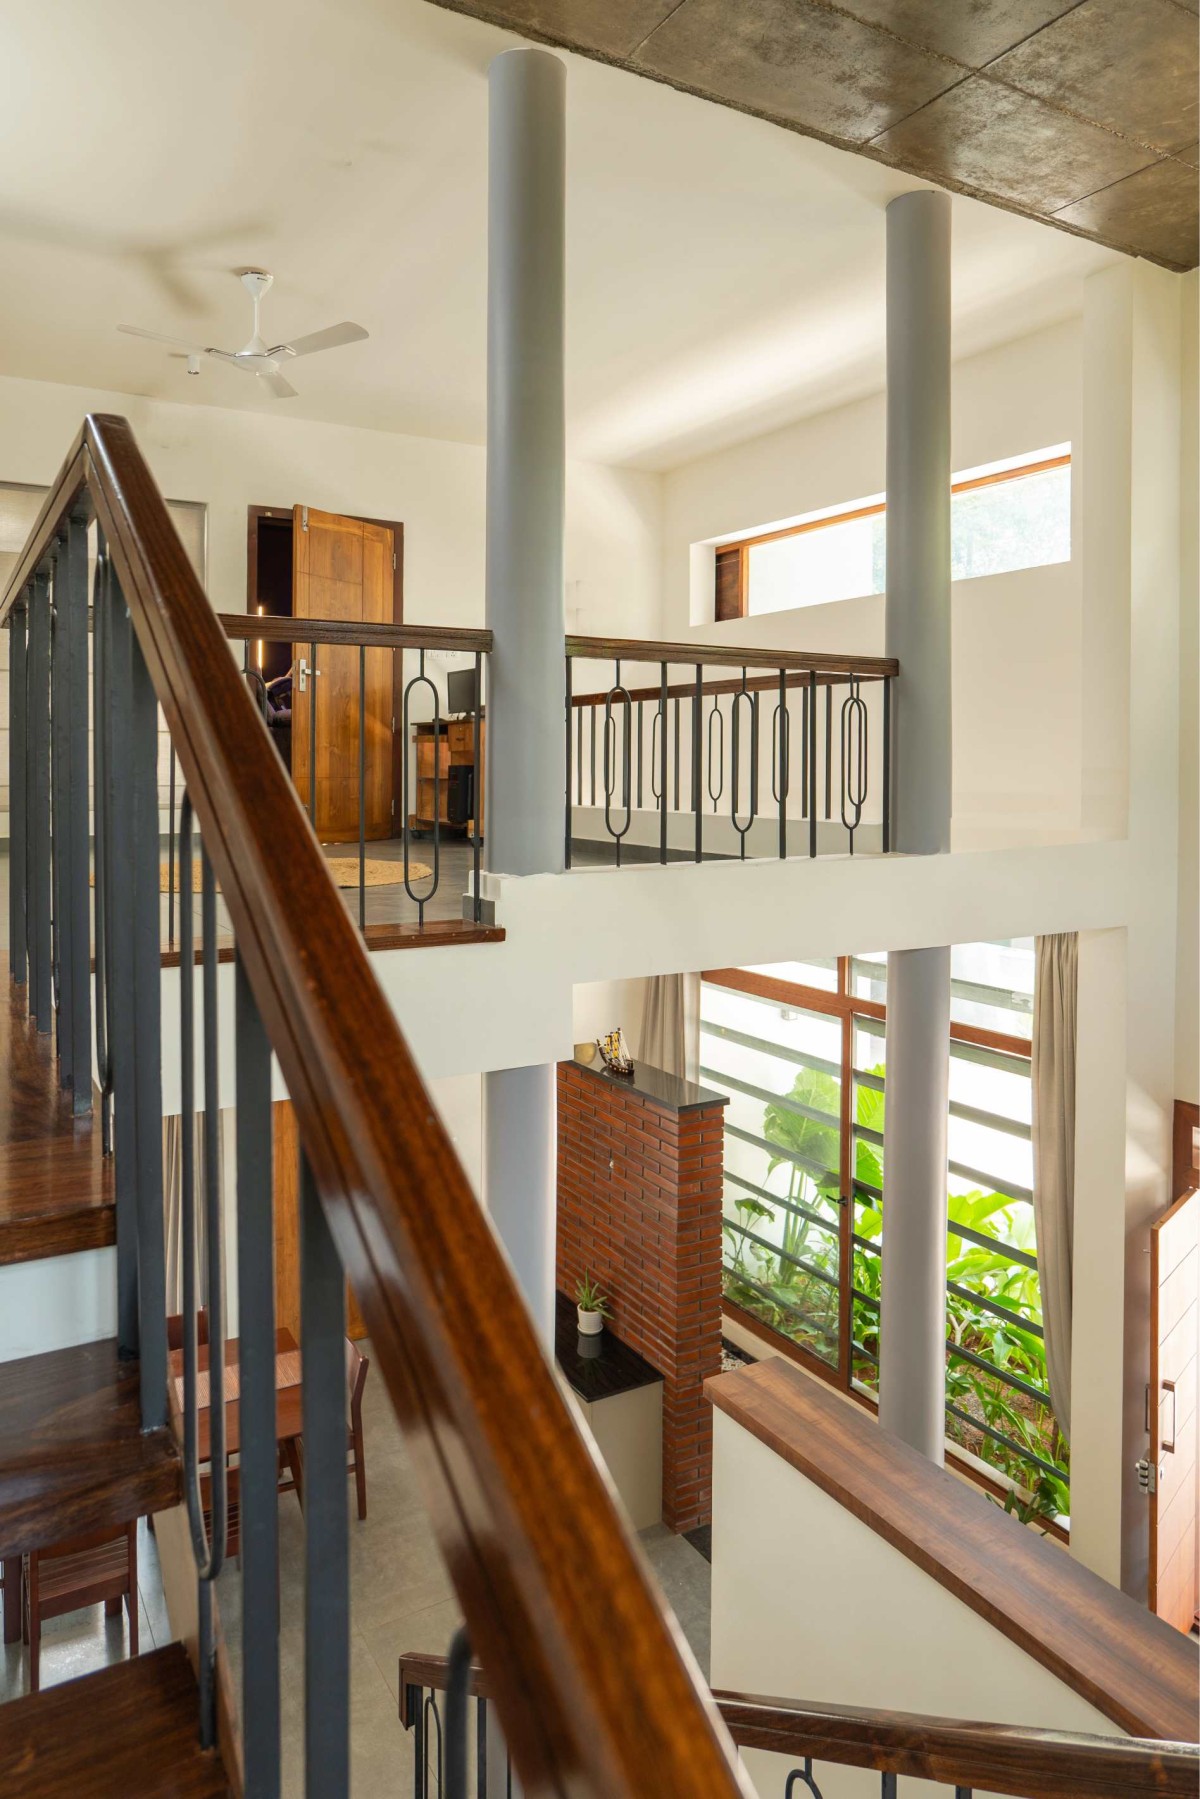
730 655
249 627
996 1758
547 1572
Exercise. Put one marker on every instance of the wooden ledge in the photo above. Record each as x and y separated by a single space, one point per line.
1107 1648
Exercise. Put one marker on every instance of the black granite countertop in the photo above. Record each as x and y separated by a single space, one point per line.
656 1086
614 1369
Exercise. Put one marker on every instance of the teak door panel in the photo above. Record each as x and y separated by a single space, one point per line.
1173 1420
286 1189
342 569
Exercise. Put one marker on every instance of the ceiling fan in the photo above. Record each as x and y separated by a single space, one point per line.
256 357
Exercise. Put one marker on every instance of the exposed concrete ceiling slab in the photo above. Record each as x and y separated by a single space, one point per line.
1044 107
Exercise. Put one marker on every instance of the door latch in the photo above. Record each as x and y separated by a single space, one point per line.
1147 1476
303 672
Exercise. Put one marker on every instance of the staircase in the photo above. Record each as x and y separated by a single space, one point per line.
594 1693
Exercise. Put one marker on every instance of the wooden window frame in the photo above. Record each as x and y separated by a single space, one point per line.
743 545
843 1005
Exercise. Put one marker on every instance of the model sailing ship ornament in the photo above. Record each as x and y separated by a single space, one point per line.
615 1053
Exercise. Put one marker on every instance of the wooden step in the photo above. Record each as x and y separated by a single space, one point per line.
129 1730
56 1188
73 1456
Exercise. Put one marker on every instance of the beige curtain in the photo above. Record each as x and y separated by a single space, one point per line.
669 1023
1054 1034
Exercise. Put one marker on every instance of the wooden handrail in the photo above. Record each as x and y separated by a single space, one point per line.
1098 1641
526 1522
686 690
730 655
249 627
996 1758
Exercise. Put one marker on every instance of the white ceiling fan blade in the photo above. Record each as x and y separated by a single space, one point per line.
329 339
275 384
160 337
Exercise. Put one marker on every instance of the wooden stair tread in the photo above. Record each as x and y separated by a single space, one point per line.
73 1456
129 1729
56 1188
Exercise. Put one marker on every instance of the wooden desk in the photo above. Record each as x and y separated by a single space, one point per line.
289 1394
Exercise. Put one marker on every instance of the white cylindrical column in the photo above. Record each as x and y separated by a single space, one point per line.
526 463
520 1147
912 1381
917 630
526 481
912 1334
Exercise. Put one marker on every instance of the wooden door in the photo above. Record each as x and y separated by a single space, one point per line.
342 569
1174 1323
286 1185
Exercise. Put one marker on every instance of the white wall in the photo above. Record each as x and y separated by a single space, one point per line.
231 460
1016 637
809 1602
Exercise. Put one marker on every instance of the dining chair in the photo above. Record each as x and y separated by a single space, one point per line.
357 1366
100 1569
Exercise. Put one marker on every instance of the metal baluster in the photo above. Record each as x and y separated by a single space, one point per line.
60 941
208 1551
781 728
415 1709
17 777
962 1793
570 771
854 759
458 1681
326 1537
119 809
481 1791
431 1711
141 774
102 841
421 679
812 761
829 748
804 701
802 1777
675 704
171 850
621 696
697 759
639 754
312 738
889 1786
477 787
592 716
662 770
887 764
38 805
258 1474
735 735
579 753
73 621
716 717
362 787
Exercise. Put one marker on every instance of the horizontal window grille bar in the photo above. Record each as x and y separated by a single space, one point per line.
781 1051
860 1349
998 1436
783 1305
989 1305
872 1081
991 1183
1007 1250
1000 999
993 1121
795 1206
865 1187
804 1163
867 1135
869 1245
782 1100
1030 1390
872 1027
865 1299
819 1274
1002 1060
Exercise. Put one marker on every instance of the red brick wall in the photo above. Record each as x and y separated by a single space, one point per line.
639 1207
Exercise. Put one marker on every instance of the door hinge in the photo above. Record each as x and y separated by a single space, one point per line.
393 561
1147 1476
304 518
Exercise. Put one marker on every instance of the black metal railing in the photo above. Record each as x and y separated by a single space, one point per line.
790 755
416 703
459 1751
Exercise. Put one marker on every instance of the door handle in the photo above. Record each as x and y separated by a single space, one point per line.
304 671
1168 1386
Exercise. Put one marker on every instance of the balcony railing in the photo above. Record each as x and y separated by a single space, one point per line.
789 755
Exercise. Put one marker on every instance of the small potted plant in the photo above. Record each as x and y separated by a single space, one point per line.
591 1307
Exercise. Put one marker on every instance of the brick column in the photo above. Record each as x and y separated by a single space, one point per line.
639 1208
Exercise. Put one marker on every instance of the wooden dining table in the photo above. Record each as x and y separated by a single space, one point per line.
289 1398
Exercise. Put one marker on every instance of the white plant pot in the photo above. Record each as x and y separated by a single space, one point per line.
590 1323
